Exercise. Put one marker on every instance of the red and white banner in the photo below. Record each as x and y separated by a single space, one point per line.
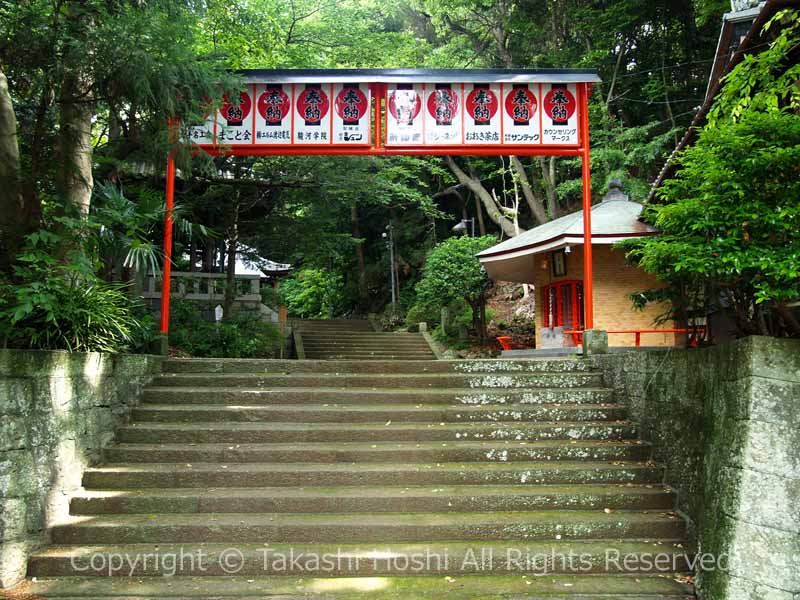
517 115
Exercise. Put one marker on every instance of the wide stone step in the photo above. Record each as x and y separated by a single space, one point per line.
335 413
386 339
494 498
213 432
365 344
526 561
357 396
354 452
250 365
214 475
377 357
368 527
420 381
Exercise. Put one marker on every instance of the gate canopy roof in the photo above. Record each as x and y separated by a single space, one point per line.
420 75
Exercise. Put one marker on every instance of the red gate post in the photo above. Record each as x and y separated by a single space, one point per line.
587 209
167 270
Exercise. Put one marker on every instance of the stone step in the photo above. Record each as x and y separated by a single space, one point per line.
127 476
373 413
374 500
386 339
526 561
357 396
368 527
419 381
421 357
355 452
336 343
241 433
423 587
253 365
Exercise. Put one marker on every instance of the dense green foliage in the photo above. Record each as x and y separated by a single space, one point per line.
63 305
731 216
244 335
313 294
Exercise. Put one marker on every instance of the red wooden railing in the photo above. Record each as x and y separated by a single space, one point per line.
577 334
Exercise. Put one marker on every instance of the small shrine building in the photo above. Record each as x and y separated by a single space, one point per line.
550 257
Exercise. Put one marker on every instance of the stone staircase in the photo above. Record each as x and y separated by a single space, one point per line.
377 480
349 339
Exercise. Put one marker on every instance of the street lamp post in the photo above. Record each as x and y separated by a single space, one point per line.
461 226
390 244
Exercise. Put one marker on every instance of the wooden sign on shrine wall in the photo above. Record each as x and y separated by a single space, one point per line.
367 112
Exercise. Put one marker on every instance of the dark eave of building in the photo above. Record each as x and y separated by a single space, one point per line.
750 44
420 75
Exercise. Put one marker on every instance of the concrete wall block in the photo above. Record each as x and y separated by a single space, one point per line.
766 556
775 401
14 561
16 396
17 474
768 500
13 433
740 588
775 358
773 448
12 519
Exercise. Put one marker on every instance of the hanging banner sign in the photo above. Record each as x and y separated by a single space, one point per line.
351 119
482 115
443 114
413 115
560 118
236 125
312 119
273 114
404 119
521 123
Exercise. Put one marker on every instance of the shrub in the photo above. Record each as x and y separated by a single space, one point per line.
313 293
452 274
244 335
61 305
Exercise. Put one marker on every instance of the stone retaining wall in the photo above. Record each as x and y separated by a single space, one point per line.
726 422
57 410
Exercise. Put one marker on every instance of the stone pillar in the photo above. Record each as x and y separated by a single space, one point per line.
595 341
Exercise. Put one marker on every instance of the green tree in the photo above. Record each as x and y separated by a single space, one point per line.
452 273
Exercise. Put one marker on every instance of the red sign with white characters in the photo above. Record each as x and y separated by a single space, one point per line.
404 106
443 105
235 115
481 105
351 104
521 105
312 104
273 105
559 105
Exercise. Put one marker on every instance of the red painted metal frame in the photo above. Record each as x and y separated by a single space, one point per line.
577 334
170 205
379 149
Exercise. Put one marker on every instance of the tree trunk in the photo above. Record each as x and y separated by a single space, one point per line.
230 274
11 228
75 119
479 215
534 202
493 209
548 167
355 230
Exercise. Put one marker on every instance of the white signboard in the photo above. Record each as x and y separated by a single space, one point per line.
482 114
404 115
312 118
351 114
560 114
443 114
273 114
235 120
521 114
